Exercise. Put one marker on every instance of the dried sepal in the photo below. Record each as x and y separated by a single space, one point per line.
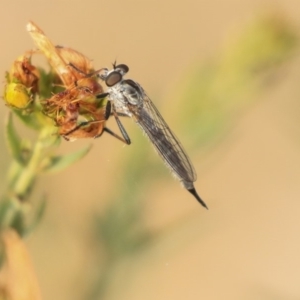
77 103
71 56
60 57
22 82
24 72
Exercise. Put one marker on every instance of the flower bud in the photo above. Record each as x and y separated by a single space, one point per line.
17 95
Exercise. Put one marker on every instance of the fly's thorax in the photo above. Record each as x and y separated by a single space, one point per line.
120 103
133 92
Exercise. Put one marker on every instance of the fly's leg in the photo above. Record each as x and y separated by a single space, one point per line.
105 129
75 68
83 73
107 110
107 114
82 124
120 114
121 127
125 139
110 111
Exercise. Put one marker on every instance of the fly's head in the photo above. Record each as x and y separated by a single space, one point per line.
114 76
124 90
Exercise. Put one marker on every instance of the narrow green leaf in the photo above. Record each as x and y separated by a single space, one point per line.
15 170
13 140
59 163
5 208
18 222
37 216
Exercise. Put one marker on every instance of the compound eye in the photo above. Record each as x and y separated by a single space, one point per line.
123 68
113 78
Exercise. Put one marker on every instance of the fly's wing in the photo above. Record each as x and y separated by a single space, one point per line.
164 140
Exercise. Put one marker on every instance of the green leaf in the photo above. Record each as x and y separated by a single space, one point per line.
59 163
49 84
29 118
14 141
5 208
49 137
18 222
37 216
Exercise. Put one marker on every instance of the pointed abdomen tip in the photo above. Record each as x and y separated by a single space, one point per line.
195 194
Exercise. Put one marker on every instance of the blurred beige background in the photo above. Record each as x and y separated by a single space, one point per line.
247 245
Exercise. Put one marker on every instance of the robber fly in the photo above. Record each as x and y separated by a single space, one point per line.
127 97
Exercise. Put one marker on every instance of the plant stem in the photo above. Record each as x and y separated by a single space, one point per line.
27 176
